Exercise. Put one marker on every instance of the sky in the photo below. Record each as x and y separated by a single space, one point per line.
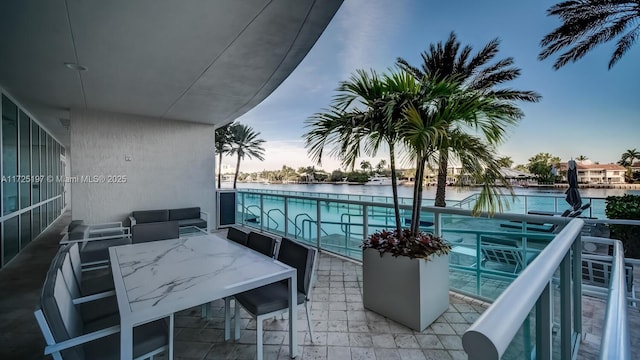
586 109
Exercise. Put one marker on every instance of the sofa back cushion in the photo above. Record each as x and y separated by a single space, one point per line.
184 213
149 216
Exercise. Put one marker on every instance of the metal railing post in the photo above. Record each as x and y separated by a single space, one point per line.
437 224
365 222
286 216
576 277
544 325
318 224
565 307
261 213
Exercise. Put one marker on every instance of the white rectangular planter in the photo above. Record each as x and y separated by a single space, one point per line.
412 292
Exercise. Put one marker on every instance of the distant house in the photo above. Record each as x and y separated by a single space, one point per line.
589 173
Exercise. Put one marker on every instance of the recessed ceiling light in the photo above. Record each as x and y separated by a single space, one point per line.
74 66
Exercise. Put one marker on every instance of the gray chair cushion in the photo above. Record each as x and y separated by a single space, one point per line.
238 236
193 222
150 216
96 283
154 231
267 299
261 243
98 310
184 213
146 338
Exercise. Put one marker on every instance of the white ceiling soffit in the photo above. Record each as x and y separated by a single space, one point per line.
200 60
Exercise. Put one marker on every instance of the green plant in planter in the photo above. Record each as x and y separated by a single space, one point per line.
419 246
625 207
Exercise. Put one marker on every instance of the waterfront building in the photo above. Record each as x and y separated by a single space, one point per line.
589 173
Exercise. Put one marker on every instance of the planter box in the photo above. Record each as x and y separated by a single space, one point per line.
412 292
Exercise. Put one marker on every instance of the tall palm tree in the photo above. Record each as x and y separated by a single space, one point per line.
364 115
365 165
582 158
588 23
448 62
245 142
505 161
222 139
428 133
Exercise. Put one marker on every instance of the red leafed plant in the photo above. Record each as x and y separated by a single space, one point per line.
421 245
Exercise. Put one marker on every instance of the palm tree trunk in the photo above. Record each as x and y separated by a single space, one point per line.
235 177
441 186
220 171
417 196
394 189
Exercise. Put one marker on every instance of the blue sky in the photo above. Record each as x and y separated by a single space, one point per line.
585 110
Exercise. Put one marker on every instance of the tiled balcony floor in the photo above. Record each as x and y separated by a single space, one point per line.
343 330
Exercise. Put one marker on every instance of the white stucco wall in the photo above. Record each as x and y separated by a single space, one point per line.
171 165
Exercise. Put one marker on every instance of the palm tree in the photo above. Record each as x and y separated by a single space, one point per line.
428 133
587 23
365 165
222 139
447 62
245 142
626 160
505 161
364 114
582 158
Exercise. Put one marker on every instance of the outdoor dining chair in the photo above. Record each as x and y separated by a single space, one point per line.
238 236
70 336
261 243
272 299
146 232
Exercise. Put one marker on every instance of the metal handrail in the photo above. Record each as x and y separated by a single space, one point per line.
615 340
490 335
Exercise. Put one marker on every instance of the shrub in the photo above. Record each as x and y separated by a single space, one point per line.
625 207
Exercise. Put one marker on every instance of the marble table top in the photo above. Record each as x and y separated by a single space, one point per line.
158 278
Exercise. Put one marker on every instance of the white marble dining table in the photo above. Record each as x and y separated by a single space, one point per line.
154 280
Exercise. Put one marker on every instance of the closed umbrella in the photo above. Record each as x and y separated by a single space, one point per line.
573 195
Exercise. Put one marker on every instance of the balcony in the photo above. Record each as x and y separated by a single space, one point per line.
343 329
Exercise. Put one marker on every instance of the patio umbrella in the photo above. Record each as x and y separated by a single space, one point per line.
573 195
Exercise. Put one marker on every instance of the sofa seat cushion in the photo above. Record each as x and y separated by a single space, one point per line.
73 224
99 250
79 232
149 216
193 222
184 213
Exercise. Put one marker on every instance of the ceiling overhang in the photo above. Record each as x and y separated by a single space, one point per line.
201 61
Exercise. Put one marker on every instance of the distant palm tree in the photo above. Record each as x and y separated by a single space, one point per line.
582 158
626 160
505 161
222 139
588 23
365 166
447 62
245 142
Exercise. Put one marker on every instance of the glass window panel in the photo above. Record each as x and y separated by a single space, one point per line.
35 163
35 225
11 239
25 229
43 164
9 156
25 160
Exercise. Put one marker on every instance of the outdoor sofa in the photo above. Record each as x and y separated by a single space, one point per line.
192 216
